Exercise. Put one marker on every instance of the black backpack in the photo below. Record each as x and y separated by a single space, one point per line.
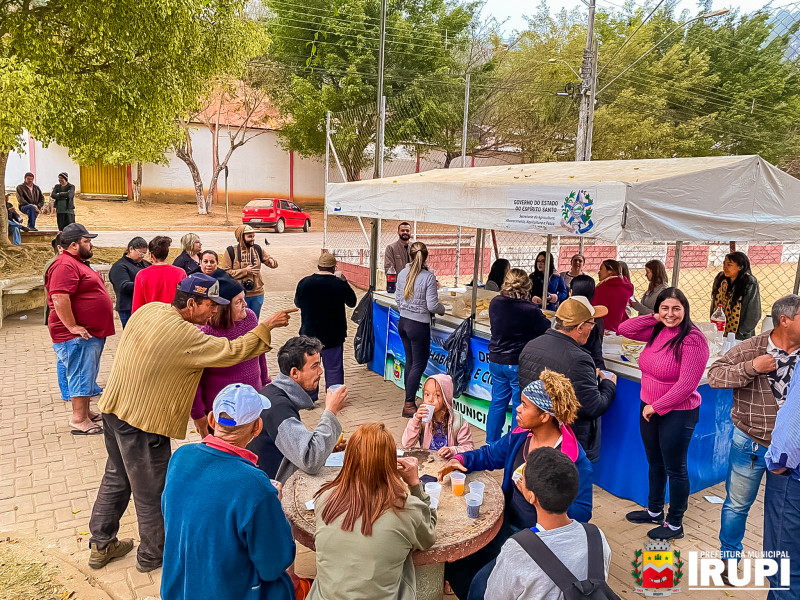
593 588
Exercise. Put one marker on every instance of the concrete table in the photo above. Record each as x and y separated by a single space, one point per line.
457 535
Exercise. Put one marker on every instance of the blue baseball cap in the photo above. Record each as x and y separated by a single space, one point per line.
241 403
204 286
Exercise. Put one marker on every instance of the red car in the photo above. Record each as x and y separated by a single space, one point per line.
275 212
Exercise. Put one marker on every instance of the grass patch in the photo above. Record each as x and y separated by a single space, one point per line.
23 578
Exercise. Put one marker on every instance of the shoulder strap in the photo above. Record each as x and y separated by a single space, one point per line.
596 569
230 253
259 252
547 561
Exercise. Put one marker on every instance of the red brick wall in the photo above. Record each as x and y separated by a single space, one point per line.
594 255
691 257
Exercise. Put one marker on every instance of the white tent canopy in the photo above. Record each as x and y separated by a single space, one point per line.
689 199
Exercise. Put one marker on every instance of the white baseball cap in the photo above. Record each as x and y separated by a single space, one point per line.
241 403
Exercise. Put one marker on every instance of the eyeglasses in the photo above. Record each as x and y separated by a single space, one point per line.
592 322
141 252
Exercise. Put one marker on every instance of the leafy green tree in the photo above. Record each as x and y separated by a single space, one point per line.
327 51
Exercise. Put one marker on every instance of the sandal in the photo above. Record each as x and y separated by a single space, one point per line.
98 418
93 430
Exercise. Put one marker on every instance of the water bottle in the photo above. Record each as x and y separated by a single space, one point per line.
718 318
391 280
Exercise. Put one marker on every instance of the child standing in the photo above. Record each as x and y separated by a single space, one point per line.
447 433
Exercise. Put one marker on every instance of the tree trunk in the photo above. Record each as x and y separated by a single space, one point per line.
4 241
137 183
212 188
196 179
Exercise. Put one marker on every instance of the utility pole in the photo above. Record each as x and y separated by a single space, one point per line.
583 145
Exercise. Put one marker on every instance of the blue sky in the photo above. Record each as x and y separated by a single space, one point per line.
513 11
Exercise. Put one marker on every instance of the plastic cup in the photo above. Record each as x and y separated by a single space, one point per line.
457 479
429 415
333 388
476 488
473 505
434 490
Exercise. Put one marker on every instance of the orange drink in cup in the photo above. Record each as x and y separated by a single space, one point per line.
457 480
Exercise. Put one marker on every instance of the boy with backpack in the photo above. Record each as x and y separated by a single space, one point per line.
559 558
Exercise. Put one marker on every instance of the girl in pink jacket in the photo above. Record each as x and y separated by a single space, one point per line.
447 433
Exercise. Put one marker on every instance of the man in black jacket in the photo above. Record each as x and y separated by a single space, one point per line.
321 298
123 275
560 350
30 199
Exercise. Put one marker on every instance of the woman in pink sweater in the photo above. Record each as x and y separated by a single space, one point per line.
672 365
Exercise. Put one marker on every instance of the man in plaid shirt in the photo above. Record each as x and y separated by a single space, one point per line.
759 370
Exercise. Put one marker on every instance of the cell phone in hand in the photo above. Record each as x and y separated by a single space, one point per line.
426 479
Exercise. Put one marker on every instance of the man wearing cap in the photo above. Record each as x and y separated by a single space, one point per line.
243 263
322 298
559 349
30 199
147 401
81 317
63 196
232 545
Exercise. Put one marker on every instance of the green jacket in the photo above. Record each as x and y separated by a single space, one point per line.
64 199
379 566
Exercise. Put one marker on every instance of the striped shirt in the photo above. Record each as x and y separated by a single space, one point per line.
158 365
784 451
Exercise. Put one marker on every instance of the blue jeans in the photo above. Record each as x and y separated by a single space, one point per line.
477 589
746 468
124 315
30 210
505 389
63 384
81 360
333 363
781 524
255 303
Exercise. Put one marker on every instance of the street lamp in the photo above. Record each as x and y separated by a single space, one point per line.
561 60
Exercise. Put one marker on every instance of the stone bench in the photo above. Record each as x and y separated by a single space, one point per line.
20 295
38 237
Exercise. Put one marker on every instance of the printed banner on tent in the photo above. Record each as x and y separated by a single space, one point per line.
474 403
548 209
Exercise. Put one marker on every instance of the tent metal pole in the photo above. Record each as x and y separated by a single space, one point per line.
797 279
676 265
327 172
483 248
373 255
545 273
458 255
478 242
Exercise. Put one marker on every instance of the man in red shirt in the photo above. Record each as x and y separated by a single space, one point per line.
81 318
158 282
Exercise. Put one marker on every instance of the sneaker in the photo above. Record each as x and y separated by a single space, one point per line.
146 569
643 516
409 409
115 549
665 532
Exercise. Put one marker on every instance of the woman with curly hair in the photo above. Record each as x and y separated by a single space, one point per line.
736 290
515 321
547 409
368 521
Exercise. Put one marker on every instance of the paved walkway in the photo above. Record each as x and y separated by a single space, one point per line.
49 478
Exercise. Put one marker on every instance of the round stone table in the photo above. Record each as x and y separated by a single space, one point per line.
457 535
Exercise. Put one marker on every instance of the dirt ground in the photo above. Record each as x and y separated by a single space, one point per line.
29 574
123 216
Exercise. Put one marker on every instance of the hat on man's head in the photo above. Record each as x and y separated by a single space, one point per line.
203 286
248 229
577 309
64 175
327 260
74 232
241 403
229 288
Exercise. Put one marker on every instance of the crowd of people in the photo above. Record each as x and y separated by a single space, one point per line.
193 351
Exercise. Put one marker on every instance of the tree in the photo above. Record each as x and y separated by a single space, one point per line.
106 89
328 53
233 108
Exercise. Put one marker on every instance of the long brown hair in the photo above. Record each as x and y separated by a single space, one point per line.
659 274
368 484
419 254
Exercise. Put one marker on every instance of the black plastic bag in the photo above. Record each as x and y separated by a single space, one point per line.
364 306
457 363
364 341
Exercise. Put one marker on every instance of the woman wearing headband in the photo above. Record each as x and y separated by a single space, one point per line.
547 409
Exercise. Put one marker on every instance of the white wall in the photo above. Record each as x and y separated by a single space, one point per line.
50 162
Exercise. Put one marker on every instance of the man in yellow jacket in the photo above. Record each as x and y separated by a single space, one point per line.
147 401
